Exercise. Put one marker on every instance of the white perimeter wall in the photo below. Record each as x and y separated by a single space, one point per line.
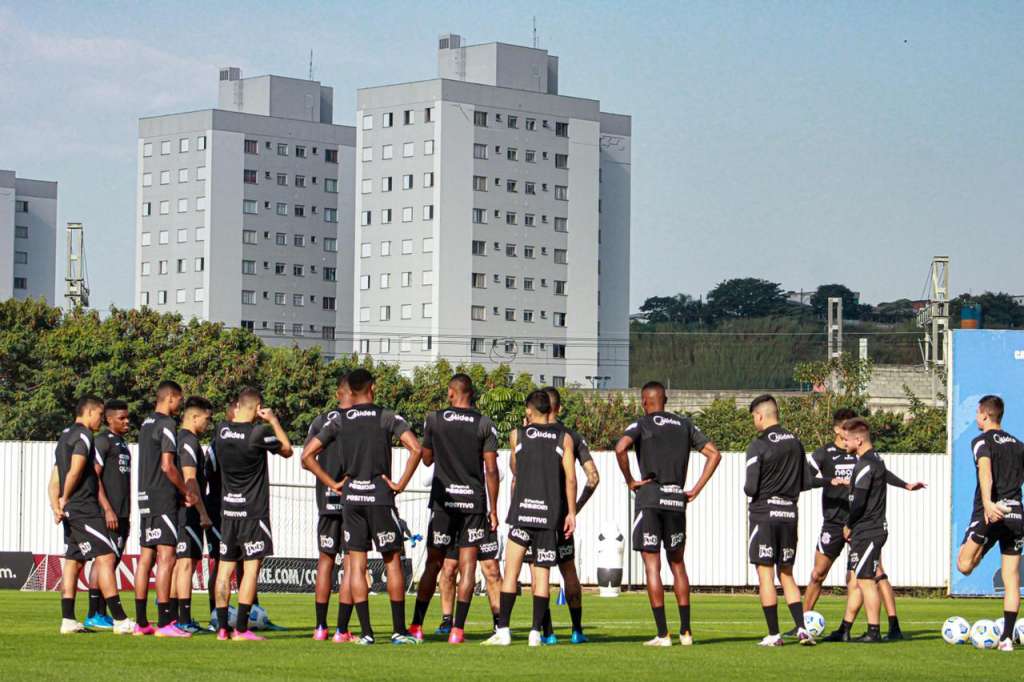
916 555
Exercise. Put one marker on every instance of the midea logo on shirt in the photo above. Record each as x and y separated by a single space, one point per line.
536 433
228 434
450 416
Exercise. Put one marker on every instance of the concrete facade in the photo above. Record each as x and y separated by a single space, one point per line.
245 213
28 238
492 220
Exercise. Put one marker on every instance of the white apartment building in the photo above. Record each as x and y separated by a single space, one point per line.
492 220
28 238
244 212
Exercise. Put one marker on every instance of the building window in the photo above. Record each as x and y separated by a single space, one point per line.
385 280
510 314
281 239
479 248
278 328
298 271
299 210
512 121
298 300
21 232
180 296
560 256
428 245
248 267
330 244
367 153
147 179
201 143
385 344
147 238
479 216
327 333
531 156
364 344
364 282
561 225
249 176
512 154
282 149
387 152
282 179
428 115
558 319
561 129
559 287
561 160
528 251
408 149
165 147
161 297
528 284
478 313
147 150
511 186
428 311
182 265
147 209
367 218
511 218
479 280
480 118
165 177
248 297
281 208
407 214
279 268
527 316
280 298
510 250
330 215
387 119
406 247
367 186
531 124
252 147
427 278
428 179
558 350
183 145
479 151
300 181
561 192
476 345
331 185
249 206
249 237
330 274
182 205
164 237
479 183
428 147
408 117
385 216
199 264
368 122
407 181
510 282
406 311
384 313
428 212
200 203
386 183
200 172
328 302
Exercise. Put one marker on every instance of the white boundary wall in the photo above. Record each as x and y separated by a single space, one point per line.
917 554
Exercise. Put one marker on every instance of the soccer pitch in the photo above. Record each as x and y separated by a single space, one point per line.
726 630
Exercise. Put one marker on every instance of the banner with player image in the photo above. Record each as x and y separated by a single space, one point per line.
983 362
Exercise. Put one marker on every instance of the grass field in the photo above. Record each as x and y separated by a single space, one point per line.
726 629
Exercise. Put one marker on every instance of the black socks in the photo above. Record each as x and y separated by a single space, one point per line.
94 602
321 615
398 617
67 608
242 619
419 611
771 617
659 620
508 601
684 619
363 613
163 614
796 609
461 613
344 616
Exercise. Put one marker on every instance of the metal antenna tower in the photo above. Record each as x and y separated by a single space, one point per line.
935 316
535 31
76 289
834 327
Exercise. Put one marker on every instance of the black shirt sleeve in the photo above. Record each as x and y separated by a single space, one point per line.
697 438
633 431
394 423
860 487
263 438
102 445
428 430
817 461
168 442
753 477
489 433
582 450
187 455
329 432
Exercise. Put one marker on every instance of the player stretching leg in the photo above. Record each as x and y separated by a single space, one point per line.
366 431
330 537
663 441
242 446
74 499
462 444
866 528
997 517
114 493
195 520
544 470
776 475
161 493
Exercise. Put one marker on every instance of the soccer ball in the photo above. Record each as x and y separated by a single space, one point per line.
1018 632
997 627
814 623
983 634
956 630
258 618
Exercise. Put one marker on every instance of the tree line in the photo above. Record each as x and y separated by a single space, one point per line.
48 358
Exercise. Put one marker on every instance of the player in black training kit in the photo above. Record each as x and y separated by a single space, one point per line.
76 507
866 528
832 466
114 493
997 516
663 441
776 475
161 493
328 467
195 520
368 496
242 446
544 484
462 444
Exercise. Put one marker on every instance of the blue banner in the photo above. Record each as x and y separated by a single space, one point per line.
984 361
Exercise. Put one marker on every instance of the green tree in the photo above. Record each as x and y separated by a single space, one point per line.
745 297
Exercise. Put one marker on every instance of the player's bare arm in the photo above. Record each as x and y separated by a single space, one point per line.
569 466
712 458
311 463
593 480
992 511
109 517
412 444
622 455
53 493
267 415
493 483
75 470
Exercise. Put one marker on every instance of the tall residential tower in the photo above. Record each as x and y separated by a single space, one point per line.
492 220
28 238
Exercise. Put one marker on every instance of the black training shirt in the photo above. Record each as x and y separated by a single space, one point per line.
867 495
242 449
1007 456
776 472
157 495
459 438
77 441
116 459
328 502
539 494
663 441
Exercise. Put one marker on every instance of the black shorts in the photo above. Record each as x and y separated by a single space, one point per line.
866 553
1009 532
566 549
190 534
87 537
542 542
160 529
378 526
489 549
831 541
245 539
330 537
772 542
655 528
124 527
447 529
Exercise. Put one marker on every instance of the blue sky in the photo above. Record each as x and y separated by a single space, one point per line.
805 143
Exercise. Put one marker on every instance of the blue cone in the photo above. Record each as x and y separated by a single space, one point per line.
561 601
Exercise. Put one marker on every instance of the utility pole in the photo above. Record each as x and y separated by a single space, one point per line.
935 316
834 327
76 289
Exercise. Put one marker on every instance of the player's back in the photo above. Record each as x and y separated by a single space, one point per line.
157 495
776 467
241 449
458 437
869 475
77 439
117 471
539 489
1007 456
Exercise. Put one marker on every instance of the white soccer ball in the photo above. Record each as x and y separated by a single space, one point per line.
997 626
814 623
983 634
1018 632
956 630
258 618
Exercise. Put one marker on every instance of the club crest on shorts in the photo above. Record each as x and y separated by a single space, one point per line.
650 539
182 546
765 552
545 555
475 534
442 539
153 534
327 542
386 538
84 547
254 547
